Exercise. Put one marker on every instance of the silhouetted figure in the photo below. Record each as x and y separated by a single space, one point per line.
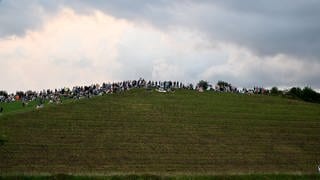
1 109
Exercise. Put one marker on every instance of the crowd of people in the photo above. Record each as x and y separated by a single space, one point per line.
79 92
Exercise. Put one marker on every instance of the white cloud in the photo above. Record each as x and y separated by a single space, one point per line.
163 70
79 49
70 49
244 68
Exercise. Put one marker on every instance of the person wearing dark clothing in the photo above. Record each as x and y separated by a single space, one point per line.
1 109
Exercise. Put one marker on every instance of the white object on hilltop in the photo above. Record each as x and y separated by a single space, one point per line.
161 90
319 168
200 89
39 106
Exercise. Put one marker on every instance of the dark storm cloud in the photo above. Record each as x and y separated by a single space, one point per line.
150 11
265 27
270 27
16 17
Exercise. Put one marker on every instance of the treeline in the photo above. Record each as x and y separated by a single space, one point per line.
306 94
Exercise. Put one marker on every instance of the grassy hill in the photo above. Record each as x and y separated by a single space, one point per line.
184 132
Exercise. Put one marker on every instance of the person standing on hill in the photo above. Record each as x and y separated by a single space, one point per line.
23 103
1 109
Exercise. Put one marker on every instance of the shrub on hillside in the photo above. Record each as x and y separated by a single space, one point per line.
307 94
295 92
310 95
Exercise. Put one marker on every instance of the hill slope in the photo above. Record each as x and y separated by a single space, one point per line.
149 132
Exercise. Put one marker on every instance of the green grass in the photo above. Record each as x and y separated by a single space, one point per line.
16 107
157 177
181 133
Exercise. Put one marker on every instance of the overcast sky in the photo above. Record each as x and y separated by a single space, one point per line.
53 44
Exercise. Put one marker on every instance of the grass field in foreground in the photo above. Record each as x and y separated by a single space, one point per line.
184 132
156 177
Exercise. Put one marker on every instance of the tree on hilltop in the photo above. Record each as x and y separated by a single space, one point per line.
274 90
203 84
224 86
